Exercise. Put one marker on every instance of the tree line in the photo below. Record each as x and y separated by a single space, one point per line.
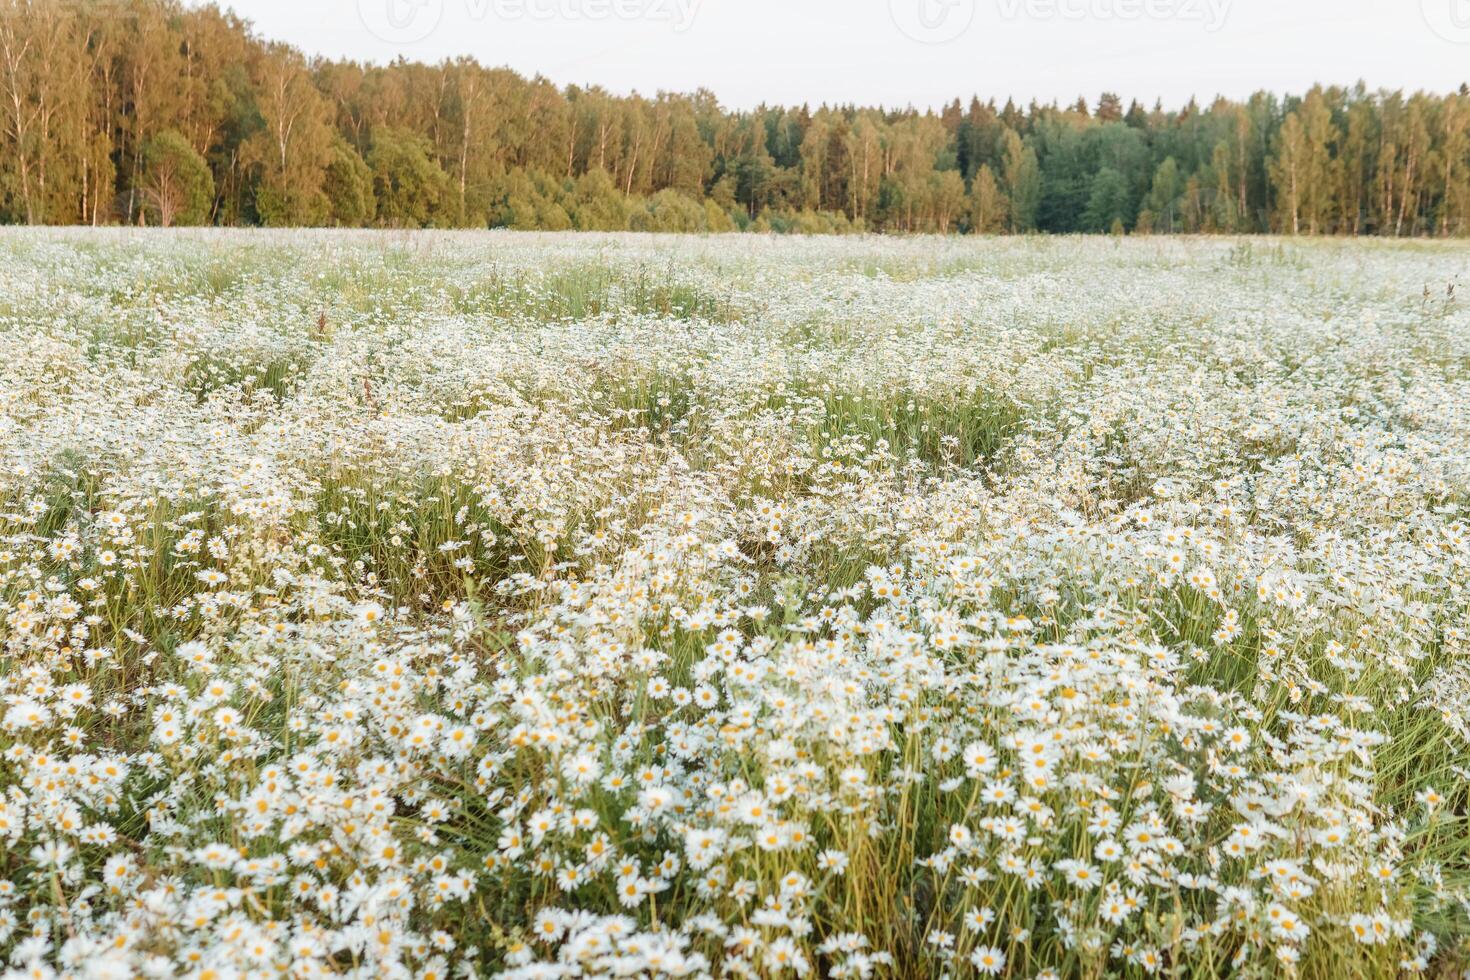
144 111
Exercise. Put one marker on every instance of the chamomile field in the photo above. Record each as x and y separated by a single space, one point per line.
439 605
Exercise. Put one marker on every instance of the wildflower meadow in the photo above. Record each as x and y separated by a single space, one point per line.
441 605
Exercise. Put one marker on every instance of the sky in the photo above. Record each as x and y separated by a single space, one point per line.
905 52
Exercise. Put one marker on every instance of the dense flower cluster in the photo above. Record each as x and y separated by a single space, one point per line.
558 607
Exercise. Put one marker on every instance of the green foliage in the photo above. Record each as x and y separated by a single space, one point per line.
668 210
1163 200
1022 182
807 222
597 205
349 187
717 219
412 190
1108 203
528 201
988 206
283 206
177 184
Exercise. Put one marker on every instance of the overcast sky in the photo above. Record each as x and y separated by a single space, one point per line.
900 52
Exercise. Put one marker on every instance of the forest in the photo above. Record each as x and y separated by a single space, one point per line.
150 112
